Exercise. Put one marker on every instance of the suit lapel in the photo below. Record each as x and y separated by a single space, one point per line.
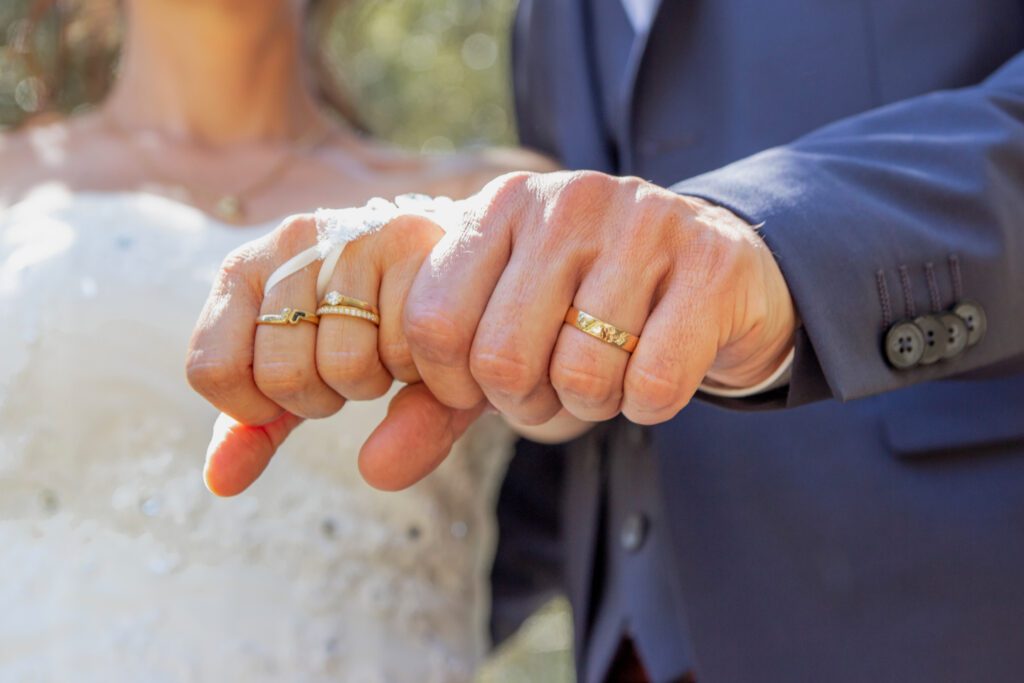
581 141
636 57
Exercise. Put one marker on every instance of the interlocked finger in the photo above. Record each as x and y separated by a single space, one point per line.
346 348
284 358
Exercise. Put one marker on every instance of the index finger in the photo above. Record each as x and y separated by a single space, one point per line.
451 291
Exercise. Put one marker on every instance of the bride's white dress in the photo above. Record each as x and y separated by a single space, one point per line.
117 565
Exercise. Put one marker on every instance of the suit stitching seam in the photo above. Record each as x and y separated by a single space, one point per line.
955 275
883 298
933 286
909 309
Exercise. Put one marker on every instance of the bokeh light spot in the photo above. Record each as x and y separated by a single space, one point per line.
479 51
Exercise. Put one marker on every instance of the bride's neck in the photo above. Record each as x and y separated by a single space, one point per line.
213 72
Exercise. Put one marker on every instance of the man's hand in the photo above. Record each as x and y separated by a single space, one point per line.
485 318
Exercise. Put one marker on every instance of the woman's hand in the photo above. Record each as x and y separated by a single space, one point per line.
266 379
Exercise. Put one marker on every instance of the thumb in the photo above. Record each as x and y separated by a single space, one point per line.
413 439
239 453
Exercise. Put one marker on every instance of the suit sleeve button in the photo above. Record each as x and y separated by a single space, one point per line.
904 345
974 317
956 335
934 338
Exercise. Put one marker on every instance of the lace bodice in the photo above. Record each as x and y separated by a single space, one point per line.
117 565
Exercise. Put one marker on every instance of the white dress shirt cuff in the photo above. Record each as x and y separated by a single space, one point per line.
779 378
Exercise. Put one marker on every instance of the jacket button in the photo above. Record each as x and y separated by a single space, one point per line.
934 344
974 317
904 345
633 532
956 335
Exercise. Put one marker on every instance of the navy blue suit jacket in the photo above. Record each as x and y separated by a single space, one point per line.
871 528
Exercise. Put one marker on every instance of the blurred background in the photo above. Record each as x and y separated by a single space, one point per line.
429 75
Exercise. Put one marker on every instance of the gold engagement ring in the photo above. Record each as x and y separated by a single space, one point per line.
336 303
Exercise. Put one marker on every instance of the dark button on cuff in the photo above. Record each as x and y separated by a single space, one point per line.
934 333
974 317
633 532
904 345
956 335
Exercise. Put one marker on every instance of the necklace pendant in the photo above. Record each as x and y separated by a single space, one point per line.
229 207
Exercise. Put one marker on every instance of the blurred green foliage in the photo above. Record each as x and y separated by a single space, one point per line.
54 57
427 74
539 653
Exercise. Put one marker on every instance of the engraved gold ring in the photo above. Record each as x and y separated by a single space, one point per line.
599 329
288 316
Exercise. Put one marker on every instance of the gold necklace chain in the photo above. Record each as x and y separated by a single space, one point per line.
230 206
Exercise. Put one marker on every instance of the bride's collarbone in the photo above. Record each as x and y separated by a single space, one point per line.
80 155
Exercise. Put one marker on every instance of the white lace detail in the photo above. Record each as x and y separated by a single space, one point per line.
119 566
337 227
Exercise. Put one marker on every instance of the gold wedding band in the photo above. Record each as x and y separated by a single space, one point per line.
288 316
336 298
599 329
349 311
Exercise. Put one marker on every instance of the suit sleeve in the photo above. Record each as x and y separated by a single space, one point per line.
902 211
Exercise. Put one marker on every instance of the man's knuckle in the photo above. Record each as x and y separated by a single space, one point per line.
652 391
396 356
503 370
499 200
588 183
510 183
532 413
712 261
647 418
579 209
589 189
435 336
586 385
